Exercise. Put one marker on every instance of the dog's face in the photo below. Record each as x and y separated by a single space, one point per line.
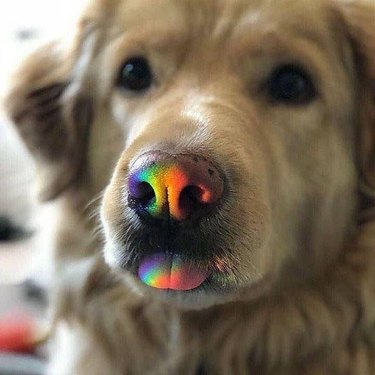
240 160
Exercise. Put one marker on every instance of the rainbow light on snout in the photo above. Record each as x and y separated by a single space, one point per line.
167 182
167 271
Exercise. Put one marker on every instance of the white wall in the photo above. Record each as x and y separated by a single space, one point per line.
49 15
45 19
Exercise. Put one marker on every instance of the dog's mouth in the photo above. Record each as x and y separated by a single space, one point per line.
181 272
176 263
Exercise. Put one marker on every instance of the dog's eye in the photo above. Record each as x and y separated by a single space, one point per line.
135 75
290 85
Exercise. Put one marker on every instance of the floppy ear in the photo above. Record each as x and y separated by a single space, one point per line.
359 22
51 104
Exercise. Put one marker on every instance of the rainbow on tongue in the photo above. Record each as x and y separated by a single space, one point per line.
171 271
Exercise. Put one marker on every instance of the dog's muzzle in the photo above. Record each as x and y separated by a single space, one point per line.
172 192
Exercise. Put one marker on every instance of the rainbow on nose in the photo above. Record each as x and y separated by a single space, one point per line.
167 182
177 185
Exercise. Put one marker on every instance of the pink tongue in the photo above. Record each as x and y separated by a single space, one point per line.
168 271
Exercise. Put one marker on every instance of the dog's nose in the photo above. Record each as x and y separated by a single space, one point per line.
181 187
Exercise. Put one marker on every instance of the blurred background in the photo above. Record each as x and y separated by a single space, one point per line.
24 25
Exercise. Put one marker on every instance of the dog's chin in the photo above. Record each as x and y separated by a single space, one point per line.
217 288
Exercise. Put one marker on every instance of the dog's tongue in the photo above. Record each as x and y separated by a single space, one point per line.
170 271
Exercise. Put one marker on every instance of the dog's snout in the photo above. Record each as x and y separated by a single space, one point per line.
178 187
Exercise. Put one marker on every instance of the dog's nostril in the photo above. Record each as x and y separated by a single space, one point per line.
142 193
146 193
192 200
193 193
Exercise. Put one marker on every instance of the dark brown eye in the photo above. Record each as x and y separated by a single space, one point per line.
289 84
135 75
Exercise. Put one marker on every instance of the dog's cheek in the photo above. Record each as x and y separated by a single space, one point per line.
112 206
247 209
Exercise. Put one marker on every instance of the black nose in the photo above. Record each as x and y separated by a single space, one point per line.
181 187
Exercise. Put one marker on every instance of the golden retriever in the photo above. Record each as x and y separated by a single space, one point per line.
235 143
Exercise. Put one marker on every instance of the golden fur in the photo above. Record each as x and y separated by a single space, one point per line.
299 222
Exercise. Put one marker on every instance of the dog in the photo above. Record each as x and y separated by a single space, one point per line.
234 143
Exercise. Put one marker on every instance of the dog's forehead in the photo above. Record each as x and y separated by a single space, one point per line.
220 17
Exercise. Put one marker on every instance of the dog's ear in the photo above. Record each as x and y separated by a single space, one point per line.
51 102
358 19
